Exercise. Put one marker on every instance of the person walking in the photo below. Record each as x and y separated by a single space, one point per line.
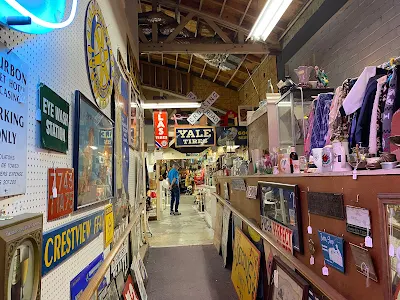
173 179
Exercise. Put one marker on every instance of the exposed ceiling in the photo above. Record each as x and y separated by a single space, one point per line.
207 38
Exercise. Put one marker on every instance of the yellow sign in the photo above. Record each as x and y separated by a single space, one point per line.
246 267
108 225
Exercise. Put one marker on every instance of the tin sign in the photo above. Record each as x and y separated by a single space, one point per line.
160 119
60 202
283 235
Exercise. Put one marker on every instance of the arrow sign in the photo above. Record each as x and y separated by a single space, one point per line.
204 109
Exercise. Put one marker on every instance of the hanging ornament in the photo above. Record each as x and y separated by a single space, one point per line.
311 247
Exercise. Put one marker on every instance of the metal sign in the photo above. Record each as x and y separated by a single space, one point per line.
238 184
13 123
63 204
54 120
332 249
204 109
160 119
108 225
203 136
326 204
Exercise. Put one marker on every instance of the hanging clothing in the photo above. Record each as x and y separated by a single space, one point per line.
373 129
364 117
389 111
354 99
379 114
307 142
321 121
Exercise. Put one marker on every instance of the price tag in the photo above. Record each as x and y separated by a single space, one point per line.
368 241
276 279
54 192
312 260
309 230
391 250
355 174
325 271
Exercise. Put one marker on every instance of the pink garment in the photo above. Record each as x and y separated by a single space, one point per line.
307 142
333 113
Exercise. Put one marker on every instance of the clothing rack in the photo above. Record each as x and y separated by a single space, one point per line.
390 63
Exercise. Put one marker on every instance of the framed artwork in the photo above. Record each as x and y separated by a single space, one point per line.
93 156
290 285
242 114
280 203
389 216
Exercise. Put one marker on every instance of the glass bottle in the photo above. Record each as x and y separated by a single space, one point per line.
294 161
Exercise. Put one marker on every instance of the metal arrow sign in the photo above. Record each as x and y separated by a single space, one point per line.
204 109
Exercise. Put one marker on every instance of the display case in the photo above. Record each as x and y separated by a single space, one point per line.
292 110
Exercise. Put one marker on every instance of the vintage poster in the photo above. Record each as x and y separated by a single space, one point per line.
108 225
62 204
235 134
218 227
246 266
199 136
138 278
129 292
94 154
13 123
160 120
333 250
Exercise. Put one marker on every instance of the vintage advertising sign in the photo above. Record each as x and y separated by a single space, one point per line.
195 136
204 109
108 225
129 292
135 267
235 134
13 123
333 250
160 119
238 184
61 243
251 192
245 267
282 234
358 220
81 281
63 180
54 126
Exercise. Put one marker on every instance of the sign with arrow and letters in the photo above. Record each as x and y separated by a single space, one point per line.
160 119
205 109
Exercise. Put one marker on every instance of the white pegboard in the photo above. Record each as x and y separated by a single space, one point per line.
57 59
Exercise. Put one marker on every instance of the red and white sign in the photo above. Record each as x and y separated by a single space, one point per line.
284 236
160 119
129 291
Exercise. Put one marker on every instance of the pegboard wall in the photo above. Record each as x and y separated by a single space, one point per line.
57 59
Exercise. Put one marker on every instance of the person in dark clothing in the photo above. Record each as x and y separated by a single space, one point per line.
173 179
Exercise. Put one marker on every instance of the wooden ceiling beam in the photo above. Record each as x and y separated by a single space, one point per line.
205 48
218 30
179 28
216 75
142 36
176 60
245 12
237 69
202 72
154 33
222 9
190 63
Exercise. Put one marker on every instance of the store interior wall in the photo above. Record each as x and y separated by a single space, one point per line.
360 34
57 59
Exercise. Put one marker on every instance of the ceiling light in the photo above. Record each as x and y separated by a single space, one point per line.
165 105
268 18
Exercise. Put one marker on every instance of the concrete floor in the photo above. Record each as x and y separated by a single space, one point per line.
188 229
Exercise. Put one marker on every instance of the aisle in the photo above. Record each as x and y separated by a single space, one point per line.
187 229
189 272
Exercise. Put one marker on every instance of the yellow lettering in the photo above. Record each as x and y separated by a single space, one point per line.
63 244
73 237
77 233
88 226
68 241
46 253
82 233
57 245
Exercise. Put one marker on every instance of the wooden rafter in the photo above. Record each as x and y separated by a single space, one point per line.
176 60
222 9
200 5
202 72
154 33
179 28
142 37
190 63
216 75
237 69
245 12
162 58
206 48
219 31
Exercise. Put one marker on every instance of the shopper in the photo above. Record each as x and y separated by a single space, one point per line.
173 179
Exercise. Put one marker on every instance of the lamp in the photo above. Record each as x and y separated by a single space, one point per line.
165 105
268 18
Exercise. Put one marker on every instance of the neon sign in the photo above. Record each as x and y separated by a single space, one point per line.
44 15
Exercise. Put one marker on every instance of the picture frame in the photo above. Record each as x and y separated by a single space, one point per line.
93 154
293 287
273 196
389 275
242 114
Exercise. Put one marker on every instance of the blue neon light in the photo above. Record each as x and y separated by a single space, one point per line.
46 15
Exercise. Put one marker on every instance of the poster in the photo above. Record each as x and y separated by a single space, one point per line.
63 180
108 225
138 278
81 281
93 153
160 120
199 136
235 134
218 227
246 267
54 123
13 123
129 292
225 232
73 236
333 250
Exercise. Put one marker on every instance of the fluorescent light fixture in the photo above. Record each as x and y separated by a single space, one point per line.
165 105
268 18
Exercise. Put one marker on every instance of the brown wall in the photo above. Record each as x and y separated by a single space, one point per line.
351 284
267 70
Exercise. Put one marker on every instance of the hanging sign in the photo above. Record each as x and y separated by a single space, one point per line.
333 250
363 261
326 204
129 292
358 221
54 120
251 192
13 123
238 184
81 281
160 119
235 134
194 136
108 225
245 267
204 109
60 202
282 234
61 243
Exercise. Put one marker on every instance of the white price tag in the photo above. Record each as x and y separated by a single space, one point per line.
355 174
391 250
312 260
368 242
54 192
309 230
325 271
276 279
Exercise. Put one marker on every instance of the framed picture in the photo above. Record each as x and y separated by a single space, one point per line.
290 285
389 216
242 112
93 156
280 203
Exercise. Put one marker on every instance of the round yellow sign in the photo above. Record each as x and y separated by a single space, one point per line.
99 56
